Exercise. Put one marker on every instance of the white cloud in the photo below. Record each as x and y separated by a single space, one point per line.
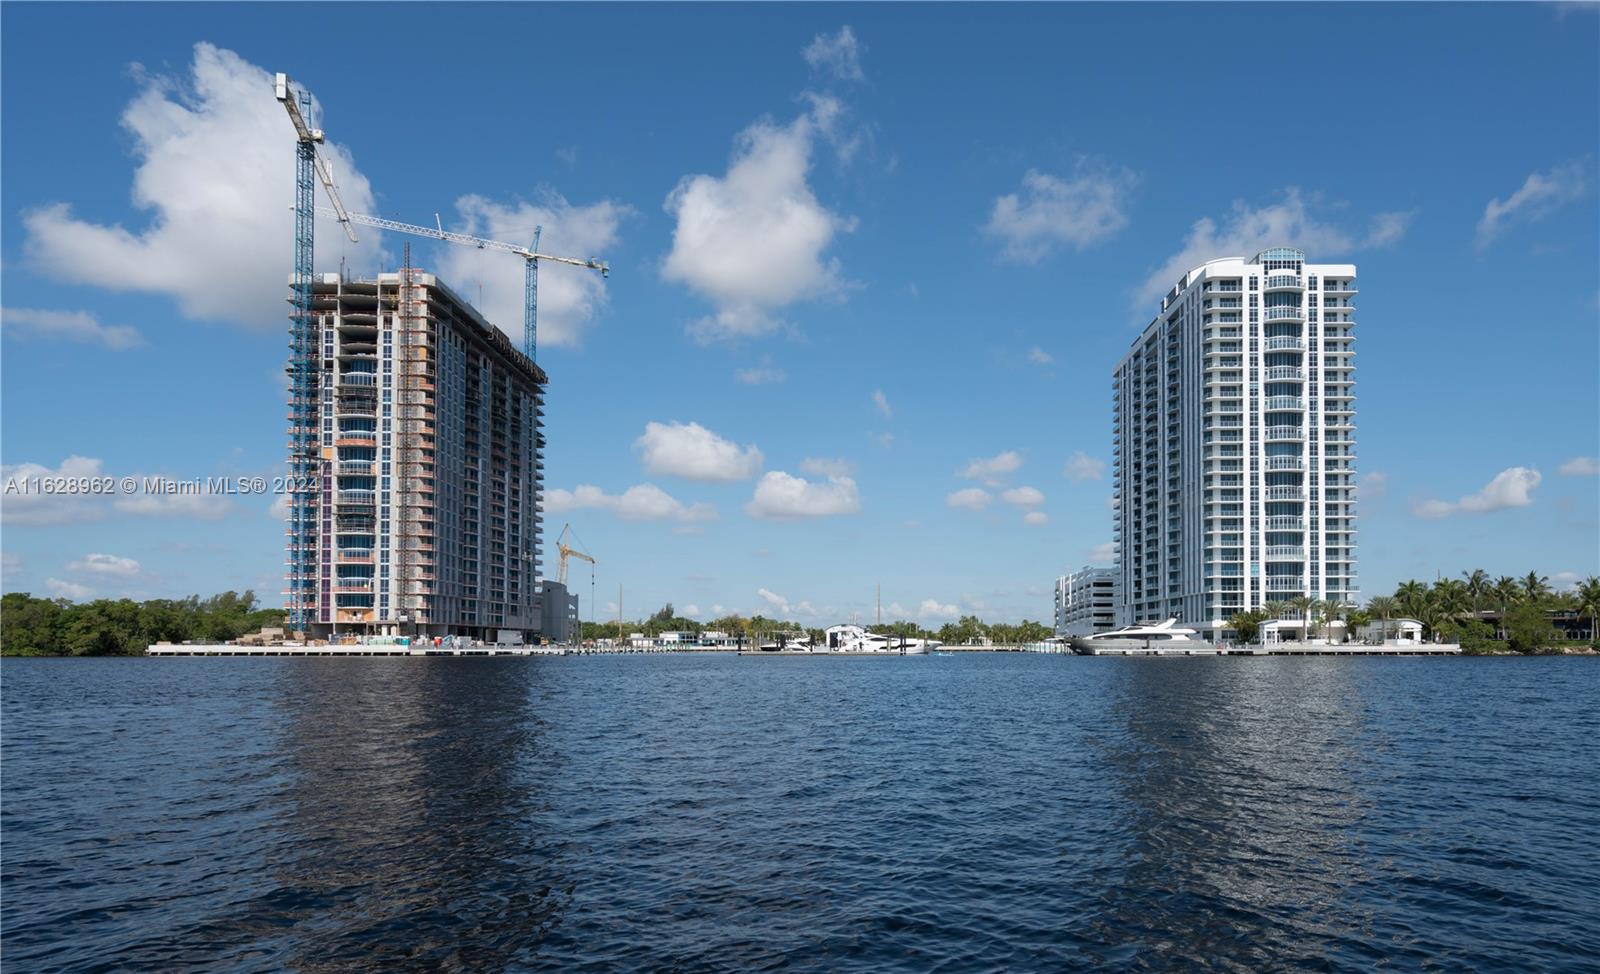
23 502
1538 196
882 402
1512 487
691 451
972 498
569 297
783 606
279 509
826 466
1079 210
759 375
215 173
838 55
1373 485
934 609
1103 554
1565 581
1249 230
1039 356
1580 467
990 469
1023 496
884 440
1081 466
689 611
781 496
67 590
753 241
643 502
73 326
1036 518
101 564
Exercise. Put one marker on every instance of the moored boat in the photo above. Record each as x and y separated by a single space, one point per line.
1163 638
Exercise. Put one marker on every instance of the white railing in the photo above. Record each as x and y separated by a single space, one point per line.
1285 433
1284 402
1286 493
1282 552
1285 372
1285 463
1285 524
1285 342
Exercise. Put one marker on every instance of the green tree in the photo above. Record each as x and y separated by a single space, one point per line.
1528 629
1247 624
1383 606
1478 587
1588 598
1535 587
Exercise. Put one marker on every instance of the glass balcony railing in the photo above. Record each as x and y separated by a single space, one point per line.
1284 372
1285 553
1286 524
1285 463
1291 493
1282 313
1283 342
1283 433
1284 402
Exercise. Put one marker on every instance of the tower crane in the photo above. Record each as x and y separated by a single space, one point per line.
303 459
530 256
567 550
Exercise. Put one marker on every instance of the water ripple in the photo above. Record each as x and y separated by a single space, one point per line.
703 813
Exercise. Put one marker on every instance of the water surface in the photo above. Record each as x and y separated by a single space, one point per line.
965 813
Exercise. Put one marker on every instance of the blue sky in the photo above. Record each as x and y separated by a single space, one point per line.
881 258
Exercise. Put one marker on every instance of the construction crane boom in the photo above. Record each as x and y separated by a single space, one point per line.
306 135
566 551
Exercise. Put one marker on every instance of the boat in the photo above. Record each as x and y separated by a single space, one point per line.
787 643
1163 638
856 640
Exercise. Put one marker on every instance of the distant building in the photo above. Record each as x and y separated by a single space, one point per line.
558 613
1086 602
423 421
1235 442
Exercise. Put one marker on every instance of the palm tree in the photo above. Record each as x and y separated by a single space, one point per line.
1410 595
1588 592
1383 607
1478 586
1506 594
1450 597
1303 604
1535 586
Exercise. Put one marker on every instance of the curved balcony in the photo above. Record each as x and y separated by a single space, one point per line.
1284 373
1284 434
358 498
1278 584
1283 282
1285 463
1289 493
1276 403
1281 523
1285 553
1282 313
1285 343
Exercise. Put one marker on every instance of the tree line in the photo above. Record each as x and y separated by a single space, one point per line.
32 626
754 628
1451 610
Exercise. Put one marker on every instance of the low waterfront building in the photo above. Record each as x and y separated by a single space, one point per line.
1086 602
558 613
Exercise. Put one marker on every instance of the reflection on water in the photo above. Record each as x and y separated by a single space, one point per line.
966 813
1233 813
411 832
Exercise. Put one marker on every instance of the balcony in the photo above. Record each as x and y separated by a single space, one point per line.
1286 524
1283 434
1289 493
1282 313
1284 282
1285 343
1294 403
1285 373
1278 584
1285 463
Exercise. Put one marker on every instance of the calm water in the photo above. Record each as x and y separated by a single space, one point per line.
715 813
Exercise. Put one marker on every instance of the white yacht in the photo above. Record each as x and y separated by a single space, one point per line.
855 639
1146 639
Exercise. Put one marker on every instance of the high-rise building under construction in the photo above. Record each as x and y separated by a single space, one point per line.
423 517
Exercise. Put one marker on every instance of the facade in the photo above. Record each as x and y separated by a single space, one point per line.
1086 602
1235 442
423 517
558 613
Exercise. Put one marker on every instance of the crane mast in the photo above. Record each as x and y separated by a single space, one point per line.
567 550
